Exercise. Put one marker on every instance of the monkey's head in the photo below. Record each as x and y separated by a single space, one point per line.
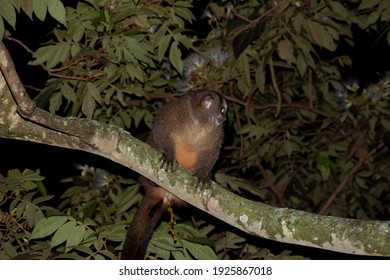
209 107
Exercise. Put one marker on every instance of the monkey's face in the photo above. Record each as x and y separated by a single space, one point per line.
209 108
220 115
216 106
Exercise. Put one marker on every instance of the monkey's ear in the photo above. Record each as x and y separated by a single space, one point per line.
207 101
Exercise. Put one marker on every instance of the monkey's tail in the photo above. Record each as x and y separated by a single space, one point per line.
142 227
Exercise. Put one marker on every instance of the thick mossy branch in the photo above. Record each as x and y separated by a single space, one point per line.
280 224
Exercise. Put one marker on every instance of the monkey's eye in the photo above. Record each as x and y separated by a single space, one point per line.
222 110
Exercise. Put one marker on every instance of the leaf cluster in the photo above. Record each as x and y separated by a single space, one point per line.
89 223
39 8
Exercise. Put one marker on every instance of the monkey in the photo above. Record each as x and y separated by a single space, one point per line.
188 132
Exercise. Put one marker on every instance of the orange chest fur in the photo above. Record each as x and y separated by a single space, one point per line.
189 143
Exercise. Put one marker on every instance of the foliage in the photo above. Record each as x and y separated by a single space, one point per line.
89 223
297 136
39 8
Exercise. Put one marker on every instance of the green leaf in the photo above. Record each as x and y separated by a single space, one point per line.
324 166
68 93
179 255
9 248
218 11
323 35
57 11
200 240
47 226
33 175
386 124
98 243
163 46
260 78
55 102
325 172
135 72
124 115
2 29
175 57
89 104
185 4
40 8
137 48
185 13
27 7
43 54
305 54
297 22
244 39
94 92
242 64
7 11
63 233
289 147
339 8
286 51
34 215
200 252
301 65
61 54
76 235
368 4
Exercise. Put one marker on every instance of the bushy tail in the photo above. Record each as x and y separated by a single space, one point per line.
142 227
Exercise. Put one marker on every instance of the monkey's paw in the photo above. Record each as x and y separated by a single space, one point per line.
204 182
168 163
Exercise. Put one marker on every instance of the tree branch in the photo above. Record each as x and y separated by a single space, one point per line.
20 119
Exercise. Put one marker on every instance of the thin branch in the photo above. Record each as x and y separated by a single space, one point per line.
348 176
253 22
27 108
25 105
276 88
343 183
20 43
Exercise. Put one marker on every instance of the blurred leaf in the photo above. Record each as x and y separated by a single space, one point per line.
47 226
63 233
40 8
57 10
286 51
89 105
94 92
163 46
367 4
75 236
200 252
243 39
175 57
2 29
7 11
55 102
323 165
324 36
43 54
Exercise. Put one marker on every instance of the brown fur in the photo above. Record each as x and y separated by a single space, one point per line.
189 132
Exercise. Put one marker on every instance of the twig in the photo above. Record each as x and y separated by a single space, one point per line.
255 21
348 176
20 43
276 88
